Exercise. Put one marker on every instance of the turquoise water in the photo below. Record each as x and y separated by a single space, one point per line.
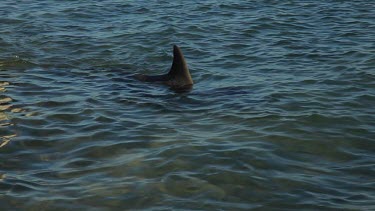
281 116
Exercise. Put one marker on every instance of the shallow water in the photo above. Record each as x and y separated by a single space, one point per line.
281 115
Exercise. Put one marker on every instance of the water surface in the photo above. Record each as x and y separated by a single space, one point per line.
281 115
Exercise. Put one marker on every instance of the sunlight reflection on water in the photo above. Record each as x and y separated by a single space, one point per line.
5 121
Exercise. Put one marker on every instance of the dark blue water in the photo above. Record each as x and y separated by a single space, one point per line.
281 116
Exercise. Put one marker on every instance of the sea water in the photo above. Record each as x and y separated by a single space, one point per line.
281 115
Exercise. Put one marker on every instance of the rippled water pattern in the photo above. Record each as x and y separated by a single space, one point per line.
281 115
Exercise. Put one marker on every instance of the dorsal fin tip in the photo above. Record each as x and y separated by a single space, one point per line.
176 49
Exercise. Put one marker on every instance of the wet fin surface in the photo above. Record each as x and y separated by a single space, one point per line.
178 77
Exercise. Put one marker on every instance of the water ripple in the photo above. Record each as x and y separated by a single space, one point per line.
280 117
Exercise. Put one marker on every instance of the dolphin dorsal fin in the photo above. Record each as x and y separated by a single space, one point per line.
179 71
178 77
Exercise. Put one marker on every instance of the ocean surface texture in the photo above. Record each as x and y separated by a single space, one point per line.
281 116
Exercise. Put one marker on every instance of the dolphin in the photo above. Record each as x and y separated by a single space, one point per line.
178 77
